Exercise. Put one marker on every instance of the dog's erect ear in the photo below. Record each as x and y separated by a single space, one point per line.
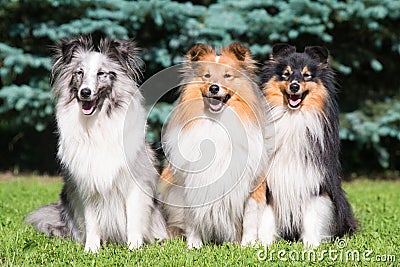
241 52
319 53
125 52
66 48
197 51
280 50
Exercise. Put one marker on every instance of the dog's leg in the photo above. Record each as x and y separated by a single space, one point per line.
173 197
93 237
252 213
267 230
137 216
317 220
193 238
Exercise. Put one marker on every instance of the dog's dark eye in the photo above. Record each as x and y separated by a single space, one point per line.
112 74
79 72
227 75
207 75
307 76
286 74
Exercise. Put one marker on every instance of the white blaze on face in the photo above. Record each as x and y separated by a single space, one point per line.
91 65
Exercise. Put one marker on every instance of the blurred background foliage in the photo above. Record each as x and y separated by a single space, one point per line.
363 37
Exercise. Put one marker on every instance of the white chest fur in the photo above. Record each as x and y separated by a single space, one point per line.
92 148
294 178
216 162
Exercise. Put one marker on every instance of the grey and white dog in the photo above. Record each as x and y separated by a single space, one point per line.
109 183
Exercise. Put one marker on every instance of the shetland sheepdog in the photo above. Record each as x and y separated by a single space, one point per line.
304 195
109 187
213 185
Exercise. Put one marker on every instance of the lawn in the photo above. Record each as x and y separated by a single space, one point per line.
376 205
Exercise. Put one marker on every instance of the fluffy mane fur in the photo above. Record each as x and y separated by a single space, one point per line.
109 183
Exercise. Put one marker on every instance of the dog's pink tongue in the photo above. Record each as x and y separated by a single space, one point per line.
294 100
88 107
215 104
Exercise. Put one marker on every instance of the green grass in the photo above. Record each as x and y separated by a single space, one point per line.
376 205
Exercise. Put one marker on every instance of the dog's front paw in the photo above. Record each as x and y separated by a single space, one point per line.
248 240
194 244
193 239
92 247
311 241
135 243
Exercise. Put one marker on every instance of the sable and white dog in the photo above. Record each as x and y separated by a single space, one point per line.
109 184
215 146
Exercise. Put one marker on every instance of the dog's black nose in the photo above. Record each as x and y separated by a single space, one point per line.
86 92
294 87
214 89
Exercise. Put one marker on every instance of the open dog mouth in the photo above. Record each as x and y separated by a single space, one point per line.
294 100
216 103
88 107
